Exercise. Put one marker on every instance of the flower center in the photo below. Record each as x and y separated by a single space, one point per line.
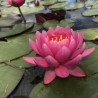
58 38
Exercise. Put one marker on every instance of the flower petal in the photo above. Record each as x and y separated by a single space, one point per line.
46 50
51 61
72 44
70 64
77 72
87 52
40 62
33 46
49 76
62 71
62 54
54 47
29 60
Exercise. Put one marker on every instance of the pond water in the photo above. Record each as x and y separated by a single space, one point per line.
34 75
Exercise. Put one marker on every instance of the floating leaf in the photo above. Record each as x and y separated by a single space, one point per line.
90 63
15 47
89 34
20 62
90 3
62 23
58 6
74 6
90 12
70 87
9 21
25 10
9 78
95 19
17 29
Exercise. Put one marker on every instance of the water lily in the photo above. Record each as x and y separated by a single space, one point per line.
16 3
60 51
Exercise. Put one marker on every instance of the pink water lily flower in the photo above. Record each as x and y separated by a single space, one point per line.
60 51
16 3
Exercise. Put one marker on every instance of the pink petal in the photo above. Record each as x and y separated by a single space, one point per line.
80 39
49 76
64 42
72 44
79 51
70 64
83 47
46 50
51 61
87 52
40 62
29 60
54 47
77 72
63 54
33 46
50 31
44 33
62 71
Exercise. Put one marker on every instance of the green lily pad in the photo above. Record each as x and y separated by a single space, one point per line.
17 29
96 5
47 2
90 3
95 19
70 87
74 6
89 34
55 23
15 47
58 6
90 63
20 62
90 12
25 10
9 21
9 78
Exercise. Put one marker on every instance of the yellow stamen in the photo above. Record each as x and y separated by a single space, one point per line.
66 37
60 38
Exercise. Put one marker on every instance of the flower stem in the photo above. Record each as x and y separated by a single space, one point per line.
22 15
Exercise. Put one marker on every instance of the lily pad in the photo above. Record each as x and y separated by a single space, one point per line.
58 6
17 29
25 10
90 3
20 63
15 47
90 12
9 78
47 2
74 6
70 87
89 34
95 19
55 23
90 63
9 21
